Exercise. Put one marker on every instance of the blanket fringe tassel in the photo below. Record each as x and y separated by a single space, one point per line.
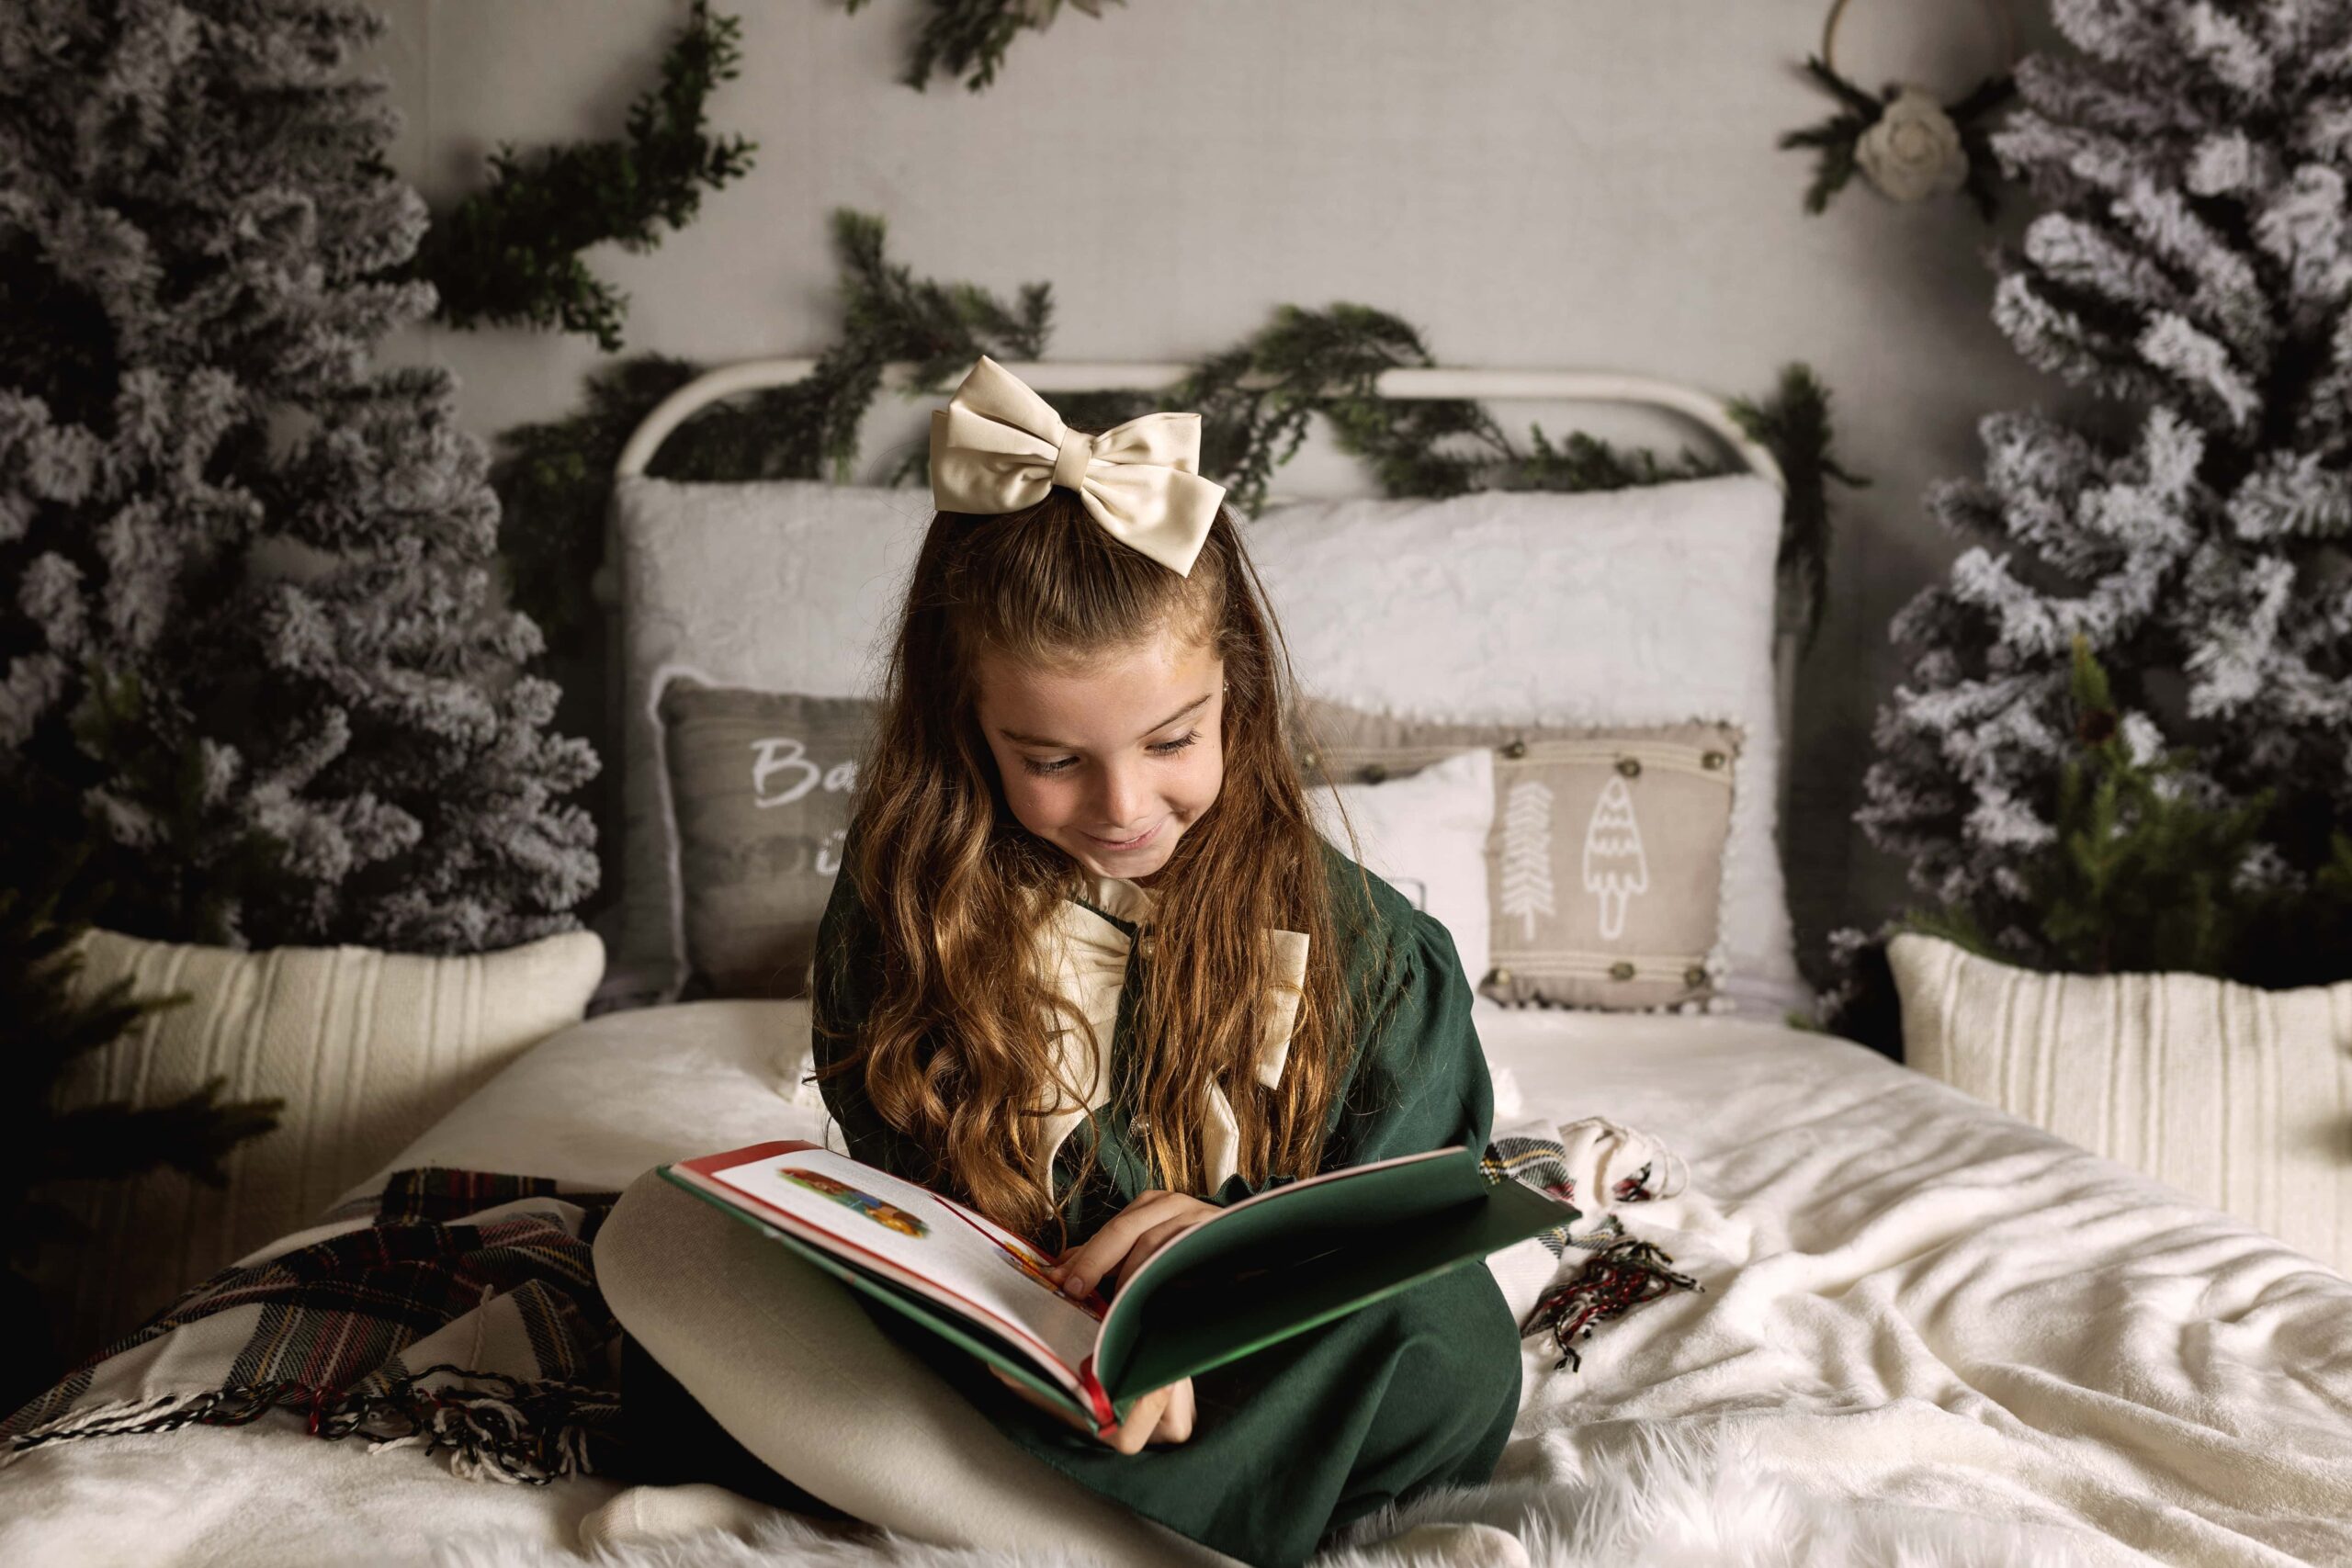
1613 1281
510 1431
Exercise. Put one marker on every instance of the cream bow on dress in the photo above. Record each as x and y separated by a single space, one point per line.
998 447
1085 959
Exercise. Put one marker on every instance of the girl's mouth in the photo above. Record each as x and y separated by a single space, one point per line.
1121 846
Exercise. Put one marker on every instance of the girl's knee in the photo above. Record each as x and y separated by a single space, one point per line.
635 1248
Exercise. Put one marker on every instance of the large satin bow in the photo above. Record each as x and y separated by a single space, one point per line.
998 447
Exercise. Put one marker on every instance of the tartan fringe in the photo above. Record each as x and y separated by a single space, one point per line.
514 1432
1618 1278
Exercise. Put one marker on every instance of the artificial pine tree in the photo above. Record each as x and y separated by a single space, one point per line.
247 621
2193 265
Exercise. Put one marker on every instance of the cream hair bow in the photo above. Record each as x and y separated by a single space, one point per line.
998 447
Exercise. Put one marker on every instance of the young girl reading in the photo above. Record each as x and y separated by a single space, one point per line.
1089 968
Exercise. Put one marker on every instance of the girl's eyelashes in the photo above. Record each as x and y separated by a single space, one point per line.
1157 749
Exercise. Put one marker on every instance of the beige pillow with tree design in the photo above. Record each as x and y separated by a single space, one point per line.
1606 860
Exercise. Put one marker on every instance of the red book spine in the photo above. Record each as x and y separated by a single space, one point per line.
1106 1419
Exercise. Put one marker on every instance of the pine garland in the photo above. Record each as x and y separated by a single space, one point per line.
969 37
512 253
1257 400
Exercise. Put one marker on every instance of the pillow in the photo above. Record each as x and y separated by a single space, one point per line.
760 785
1606 860
1426 836
1641 607
367 1049
2237 1096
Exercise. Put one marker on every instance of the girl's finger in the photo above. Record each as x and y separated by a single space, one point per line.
1176 1426
1102 1251
1143 1418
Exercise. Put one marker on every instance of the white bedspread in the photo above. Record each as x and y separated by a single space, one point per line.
1910 1298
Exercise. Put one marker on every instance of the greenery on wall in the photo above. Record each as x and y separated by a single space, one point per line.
969 37
512 253
1257 401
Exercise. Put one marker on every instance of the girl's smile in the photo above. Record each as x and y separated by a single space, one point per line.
1110 762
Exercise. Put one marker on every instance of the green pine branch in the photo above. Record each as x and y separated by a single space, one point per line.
2142 876
512 253
970 38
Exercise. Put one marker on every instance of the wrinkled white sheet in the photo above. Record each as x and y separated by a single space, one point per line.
1910 1298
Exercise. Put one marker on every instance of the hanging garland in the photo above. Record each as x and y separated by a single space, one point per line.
1257 402
511 253
1904 142
969 37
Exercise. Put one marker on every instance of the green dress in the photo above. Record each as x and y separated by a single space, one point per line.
1413 1392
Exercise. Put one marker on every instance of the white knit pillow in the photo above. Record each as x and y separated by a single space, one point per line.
2239 1096
367 1049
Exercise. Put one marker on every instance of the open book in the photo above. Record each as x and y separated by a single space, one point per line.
1264 1268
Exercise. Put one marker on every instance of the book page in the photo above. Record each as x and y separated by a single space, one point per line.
988 1271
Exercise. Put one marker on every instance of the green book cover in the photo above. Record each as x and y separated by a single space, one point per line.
1276 1263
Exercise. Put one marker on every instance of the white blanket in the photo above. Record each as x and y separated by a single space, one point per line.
1912 1302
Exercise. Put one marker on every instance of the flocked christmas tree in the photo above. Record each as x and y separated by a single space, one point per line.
247 618
2192 267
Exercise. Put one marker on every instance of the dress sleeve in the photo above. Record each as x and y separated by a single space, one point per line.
848 967
1419 1079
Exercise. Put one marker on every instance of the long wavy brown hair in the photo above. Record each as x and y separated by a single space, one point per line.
956 1049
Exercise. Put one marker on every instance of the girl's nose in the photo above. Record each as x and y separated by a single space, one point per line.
1123 802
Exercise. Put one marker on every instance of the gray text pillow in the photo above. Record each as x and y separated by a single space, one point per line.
759 791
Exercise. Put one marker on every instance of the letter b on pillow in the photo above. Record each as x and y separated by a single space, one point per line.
759 789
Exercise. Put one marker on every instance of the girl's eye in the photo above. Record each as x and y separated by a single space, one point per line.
1159 749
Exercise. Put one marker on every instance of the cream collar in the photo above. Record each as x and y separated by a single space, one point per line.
1085 960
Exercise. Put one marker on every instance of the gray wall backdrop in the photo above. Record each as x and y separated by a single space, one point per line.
1585 184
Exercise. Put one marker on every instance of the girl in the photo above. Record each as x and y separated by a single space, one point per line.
1089 968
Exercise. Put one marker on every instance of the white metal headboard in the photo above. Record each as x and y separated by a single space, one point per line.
1417 385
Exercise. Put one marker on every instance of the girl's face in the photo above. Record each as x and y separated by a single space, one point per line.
1113 761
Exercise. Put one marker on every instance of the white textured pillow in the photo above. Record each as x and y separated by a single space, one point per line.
1425 835
2239 1096
367 1049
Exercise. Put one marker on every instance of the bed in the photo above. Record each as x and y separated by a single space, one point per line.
1926 1331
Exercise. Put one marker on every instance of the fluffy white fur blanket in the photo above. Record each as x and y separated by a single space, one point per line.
1675 1503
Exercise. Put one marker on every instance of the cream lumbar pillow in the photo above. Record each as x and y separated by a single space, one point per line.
2239 1096
366 1049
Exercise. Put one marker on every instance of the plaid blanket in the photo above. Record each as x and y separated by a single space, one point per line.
457 1309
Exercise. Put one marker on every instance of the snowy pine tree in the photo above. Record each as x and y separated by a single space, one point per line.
2193 264
247 621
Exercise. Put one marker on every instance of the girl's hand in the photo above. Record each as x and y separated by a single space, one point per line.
1162 1417
1142 1228
1138 1231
